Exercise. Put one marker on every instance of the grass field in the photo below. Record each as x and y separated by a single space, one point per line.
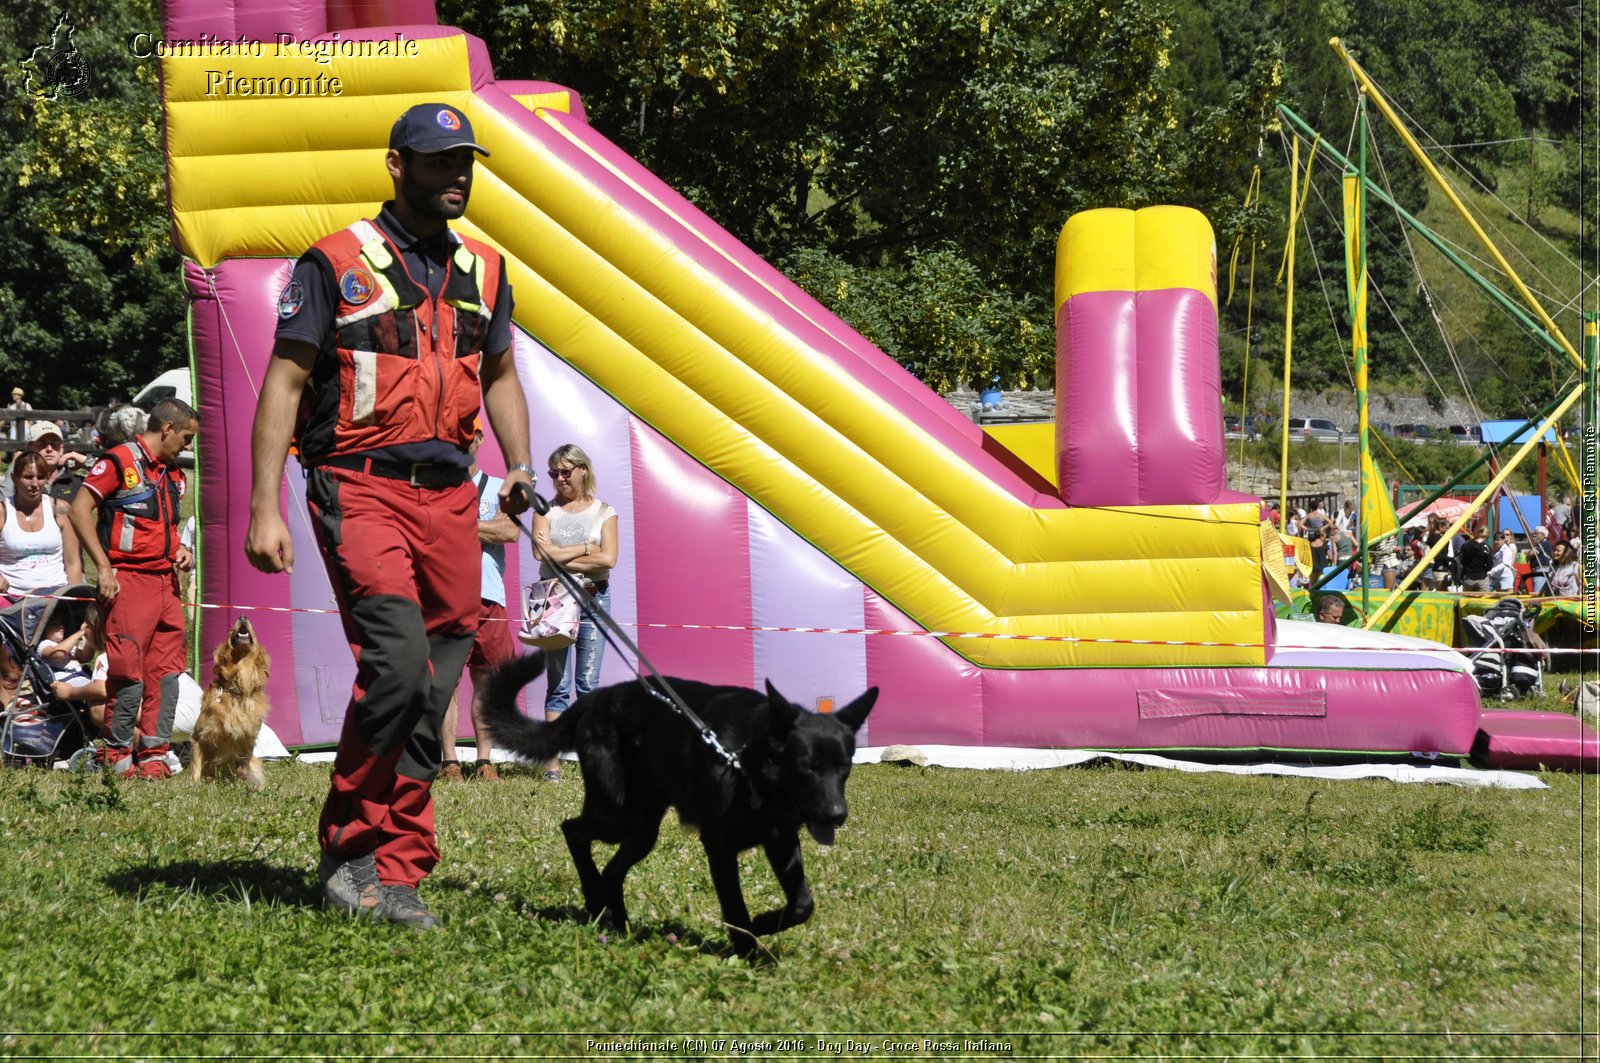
1080 912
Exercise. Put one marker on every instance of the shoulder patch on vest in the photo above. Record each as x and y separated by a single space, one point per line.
356 285
290 300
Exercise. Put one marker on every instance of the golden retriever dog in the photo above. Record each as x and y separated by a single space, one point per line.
231 712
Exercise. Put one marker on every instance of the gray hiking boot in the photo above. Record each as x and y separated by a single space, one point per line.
400 904
350 886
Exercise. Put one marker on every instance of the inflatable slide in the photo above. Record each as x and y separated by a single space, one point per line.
793 504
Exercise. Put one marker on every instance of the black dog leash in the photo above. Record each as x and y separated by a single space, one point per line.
655 682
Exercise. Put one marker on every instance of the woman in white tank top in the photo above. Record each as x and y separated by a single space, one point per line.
580 531
38 548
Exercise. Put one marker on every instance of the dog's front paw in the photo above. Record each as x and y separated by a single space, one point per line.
768 923
743 941
608 916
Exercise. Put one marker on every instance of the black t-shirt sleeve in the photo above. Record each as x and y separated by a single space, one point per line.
306 306
499 336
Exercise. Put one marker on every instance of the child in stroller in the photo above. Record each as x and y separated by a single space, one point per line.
38 724
1507 659
79 661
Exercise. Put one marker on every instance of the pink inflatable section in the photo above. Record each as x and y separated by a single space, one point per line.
1140 395
694 546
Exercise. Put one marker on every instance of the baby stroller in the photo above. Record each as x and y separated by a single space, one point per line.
36 726
1505 660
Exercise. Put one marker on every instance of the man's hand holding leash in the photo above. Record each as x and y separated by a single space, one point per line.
517 495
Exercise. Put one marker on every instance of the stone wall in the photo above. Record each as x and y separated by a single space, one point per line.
1340 407
1337 406
1333 484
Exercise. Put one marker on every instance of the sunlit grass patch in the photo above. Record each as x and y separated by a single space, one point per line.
1096 910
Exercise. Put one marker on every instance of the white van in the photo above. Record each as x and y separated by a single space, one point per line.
174 383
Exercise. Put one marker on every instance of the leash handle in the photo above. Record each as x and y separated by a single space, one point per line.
530 499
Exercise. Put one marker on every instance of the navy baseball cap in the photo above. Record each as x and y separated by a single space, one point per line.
431 127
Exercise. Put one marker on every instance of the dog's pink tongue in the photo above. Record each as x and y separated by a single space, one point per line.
821 832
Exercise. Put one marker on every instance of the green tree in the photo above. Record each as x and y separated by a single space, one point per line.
952 329
944 144
93 302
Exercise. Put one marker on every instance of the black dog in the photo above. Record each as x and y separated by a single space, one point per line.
641 757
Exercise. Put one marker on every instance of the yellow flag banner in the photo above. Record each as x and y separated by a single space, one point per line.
1353 261
1377 512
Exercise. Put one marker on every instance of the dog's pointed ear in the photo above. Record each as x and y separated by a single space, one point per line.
854 714
784 714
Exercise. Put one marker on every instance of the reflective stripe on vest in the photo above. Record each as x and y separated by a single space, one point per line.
144 510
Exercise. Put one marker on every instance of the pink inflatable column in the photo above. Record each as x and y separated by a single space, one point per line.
1138 385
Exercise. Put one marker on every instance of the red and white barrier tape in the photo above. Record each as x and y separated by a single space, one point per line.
892 632
1437 648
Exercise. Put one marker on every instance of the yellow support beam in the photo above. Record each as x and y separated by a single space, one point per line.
1460 522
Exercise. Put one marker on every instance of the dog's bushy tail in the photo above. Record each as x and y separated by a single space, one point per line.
530 739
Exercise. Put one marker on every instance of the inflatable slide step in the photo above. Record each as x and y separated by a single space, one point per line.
1552 740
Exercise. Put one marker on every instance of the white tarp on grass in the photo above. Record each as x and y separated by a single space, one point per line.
994 758
1006 759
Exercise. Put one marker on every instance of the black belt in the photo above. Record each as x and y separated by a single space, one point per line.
418 475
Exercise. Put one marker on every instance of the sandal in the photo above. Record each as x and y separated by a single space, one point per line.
552 775
451 771
484 771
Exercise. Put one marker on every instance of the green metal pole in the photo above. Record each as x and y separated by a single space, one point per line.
1522 317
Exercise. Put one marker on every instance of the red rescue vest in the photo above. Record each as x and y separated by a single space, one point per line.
403 366
138 520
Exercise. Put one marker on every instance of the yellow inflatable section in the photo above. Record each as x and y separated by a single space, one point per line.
1034 442
1137 251
693 355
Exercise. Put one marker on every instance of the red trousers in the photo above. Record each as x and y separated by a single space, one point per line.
404 564
144 657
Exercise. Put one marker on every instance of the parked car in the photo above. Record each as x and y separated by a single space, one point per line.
1420 433
1466 433
1230 424
1318 428
1372 426
174 383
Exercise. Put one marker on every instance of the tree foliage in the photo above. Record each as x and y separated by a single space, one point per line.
958 330
942 144
90 302
910 163
1475 80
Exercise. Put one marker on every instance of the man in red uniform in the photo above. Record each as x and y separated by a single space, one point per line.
134 490
387 332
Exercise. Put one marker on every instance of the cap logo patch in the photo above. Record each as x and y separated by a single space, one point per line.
290 300
356 285
448 120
